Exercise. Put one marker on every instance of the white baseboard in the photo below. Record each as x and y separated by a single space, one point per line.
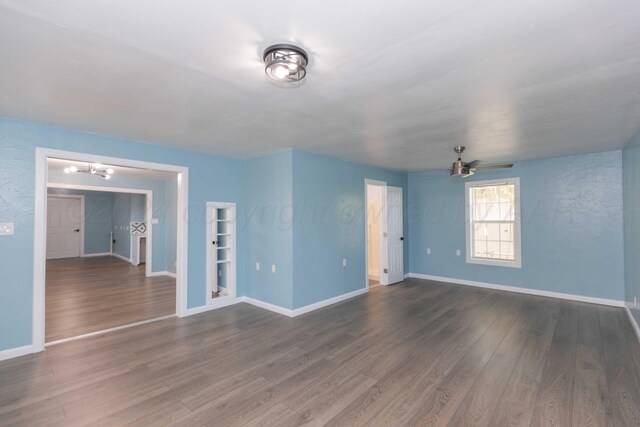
162 273
121 257
96 254
330 301
633 321
307 308
267 306
222 302
16 352
550 294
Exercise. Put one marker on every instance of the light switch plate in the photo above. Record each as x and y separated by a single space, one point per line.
344 262
155 221
273 268
6 228
257 266
458 252
428 251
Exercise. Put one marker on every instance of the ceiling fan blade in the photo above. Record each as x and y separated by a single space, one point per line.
503 166
472 164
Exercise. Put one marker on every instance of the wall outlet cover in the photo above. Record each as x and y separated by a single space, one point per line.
428 251
6 228
257 266
273 268
458 252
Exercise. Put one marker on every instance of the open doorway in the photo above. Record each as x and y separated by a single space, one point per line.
110 245
384 233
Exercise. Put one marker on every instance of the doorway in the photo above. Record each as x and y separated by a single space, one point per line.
131 271
384 245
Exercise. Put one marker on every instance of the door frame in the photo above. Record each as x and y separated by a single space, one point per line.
148 215
81 198
383 248
229 299
40 229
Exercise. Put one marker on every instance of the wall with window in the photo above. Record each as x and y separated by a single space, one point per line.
571 226
631 178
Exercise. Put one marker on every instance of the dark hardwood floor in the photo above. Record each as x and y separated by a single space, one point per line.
92 294
417 353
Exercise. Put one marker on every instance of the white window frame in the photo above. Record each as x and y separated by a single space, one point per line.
517 243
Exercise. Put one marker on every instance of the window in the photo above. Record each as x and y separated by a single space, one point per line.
493 222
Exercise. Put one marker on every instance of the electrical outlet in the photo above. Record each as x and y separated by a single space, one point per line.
273 268
257 266
6 228
458 252
428 251
344 262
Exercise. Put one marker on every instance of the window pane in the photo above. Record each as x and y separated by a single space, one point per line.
506 232
506 212
480 248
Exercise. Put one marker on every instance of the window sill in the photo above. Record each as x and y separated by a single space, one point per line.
495 262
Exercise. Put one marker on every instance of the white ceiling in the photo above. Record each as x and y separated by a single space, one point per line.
390 83
118 171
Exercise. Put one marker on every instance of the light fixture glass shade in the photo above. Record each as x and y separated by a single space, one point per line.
285 63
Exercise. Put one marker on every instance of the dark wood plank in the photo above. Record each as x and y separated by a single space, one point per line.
85 295
416 353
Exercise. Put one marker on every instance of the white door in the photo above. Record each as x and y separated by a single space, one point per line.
63 227
395 238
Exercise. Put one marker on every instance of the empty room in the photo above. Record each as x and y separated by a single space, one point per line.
365 213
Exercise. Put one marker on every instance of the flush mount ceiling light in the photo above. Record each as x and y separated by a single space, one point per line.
285 63
93 169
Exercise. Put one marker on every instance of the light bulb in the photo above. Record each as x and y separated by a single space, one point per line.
93 171
73 169
110 171
107 177
66 170
281 72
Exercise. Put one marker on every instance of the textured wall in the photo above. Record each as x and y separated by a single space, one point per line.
572 238
329 225
269 232
631 176
211 178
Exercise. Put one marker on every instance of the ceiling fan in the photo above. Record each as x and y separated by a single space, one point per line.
462 169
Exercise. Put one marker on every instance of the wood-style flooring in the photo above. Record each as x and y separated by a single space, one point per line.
85 295
416 353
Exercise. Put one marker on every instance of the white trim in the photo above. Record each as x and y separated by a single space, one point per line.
267 306
528 291
96 254
633 321
81 198
40 229
231 273
104 331
330 301
163 273
307 308
375 183
16 352
517 241
148 214
219 302
124 258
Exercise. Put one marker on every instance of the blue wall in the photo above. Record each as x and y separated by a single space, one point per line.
269 229
329 225
121 217
97 218
631 179
572 239
211 178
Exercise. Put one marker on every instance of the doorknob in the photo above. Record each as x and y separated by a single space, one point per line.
77 230
402 238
